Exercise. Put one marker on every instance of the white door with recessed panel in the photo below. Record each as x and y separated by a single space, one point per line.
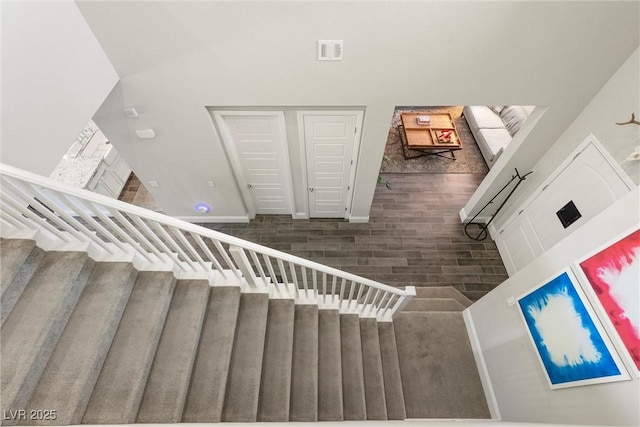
257 144
587 185
329 146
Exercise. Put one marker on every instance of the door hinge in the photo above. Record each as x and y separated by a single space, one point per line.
351 162
348 187
545 187
355 130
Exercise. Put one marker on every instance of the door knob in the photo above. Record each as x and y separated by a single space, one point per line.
249 186
311 189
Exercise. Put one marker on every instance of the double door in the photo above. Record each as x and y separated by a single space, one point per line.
261 157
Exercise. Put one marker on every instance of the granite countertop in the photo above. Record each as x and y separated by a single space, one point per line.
81 162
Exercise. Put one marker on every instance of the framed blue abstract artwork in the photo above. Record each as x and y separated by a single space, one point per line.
570 342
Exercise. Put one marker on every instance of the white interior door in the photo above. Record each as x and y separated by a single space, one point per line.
260 147
589 181
329 142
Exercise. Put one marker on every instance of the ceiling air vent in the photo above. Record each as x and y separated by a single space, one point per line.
330 50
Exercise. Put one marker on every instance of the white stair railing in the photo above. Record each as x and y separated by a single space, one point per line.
61 217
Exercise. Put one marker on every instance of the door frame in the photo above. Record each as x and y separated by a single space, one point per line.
234 157
590 139
355 155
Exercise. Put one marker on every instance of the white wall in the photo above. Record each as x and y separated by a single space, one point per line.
520 388
176 58
55 75
615 102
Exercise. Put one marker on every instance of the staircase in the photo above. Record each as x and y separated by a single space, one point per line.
112 314
113 345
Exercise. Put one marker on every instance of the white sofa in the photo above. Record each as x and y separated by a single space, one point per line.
494 126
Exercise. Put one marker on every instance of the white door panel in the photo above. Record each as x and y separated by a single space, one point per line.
330 130
329 141
592 185
335 150
589 181
325 167
260 144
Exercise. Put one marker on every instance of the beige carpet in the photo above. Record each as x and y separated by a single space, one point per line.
468 159
439 374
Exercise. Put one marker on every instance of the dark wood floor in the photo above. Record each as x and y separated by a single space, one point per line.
414 237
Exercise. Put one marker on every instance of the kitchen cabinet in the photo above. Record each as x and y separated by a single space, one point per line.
110 176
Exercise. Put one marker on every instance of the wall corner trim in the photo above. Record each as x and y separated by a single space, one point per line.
492 402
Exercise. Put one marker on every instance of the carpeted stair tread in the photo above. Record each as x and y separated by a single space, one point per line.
205 400
32 329
13 252
353 391
120 386
439 374
391 369
168 383
275 386
304 371
19 260
433 304
372 370
330 365
443 292
73 368
245 371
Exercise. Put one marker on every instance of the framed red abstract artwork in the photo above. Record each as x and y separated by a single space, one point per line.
614 276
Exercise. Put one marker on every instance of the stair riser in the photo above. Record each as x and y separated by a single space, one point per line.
372 370
304 370
11 293
17 394
168 382
355 407
120 386
275 386
13 253
245 371
72 371
205 400
330 406
391 369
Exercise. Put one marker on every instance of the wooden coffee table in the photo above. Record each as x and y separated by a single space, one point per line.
424 138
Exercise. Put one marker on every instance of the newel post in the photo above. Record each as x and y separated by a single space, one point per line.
410 292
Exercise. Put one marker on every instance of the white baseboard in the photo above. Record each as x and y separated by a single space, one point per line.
493 232
358 219
482 219
300 215
482 366
209 218
463 215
